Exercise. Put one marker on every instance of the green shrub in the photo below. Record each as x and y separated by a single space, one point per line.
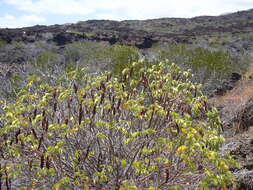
18 44
209 66
47 65
85 34
216 63
179 54
203 62
151 132
85 53
121 57
85 50
99 57
46 60
2 43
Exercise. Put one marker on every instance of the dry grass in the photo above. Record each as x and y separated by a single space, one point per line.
249 73
238 96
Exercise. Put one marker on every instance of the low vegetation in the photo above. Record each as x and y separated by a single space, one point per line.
209 66
84 34
2 43
204 62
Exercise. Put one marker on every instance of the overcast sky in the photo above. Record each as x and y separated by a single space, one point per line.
21 13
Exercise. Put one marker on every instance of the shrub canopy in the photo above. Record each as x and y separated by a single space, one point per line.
150 128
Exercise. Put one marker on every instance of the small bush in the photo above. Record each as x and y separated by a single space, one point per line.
121 57
85 53
46 60
82 51
205 63
151 132
210 67
2 43
85 34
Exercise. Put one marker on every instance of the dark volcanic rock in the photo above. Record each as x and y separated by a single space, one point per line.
241 148
63 38
245 180
228 84
235 77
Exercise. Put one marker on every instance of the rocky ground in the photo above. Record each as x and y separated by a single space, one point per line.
241 147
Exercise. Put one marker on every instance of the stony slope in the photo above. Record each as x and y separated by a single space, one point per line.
143 34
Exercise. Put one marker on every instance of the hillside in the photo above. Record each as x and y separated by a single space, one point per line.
218 50
226 30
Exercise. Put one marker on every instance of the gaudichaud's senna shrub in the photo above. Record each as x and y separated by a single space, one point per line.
149 129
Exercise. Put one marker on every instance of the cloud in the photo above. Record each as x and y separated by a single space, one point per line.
11 21
67 7
61 11
131 9
147 9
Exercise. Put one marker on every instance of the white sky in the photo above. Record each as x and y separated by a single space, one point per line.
20 13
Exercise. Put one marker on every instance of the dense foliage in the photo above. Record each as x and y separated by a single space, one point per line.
210 66
2 43
150 128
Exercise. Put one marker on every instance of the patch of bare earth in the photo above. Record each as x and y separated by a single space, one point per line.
236 107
